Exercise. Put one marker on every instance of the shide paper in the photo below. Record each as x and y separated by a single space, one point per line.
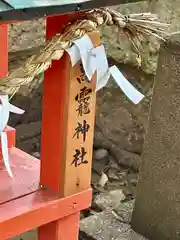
74 55
5 109
95 60
85 47
102 68
130 91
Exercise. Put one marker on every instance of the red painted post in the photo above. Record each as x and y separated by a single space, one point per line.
55 100
4 72
63 229
59 147
3 50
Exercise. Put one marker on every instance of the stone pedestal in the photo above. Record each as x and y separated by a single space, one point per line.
157 209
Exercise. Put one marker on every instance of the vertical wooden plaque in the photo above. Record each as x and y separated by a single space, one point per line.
80 128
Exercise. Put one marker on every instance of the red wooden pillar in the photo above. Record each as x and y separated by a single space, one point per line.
56 172
3 50
54 103
58 144
3 72
55 98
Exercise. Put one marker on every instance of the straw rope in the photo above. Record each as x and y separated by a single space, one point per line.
135 26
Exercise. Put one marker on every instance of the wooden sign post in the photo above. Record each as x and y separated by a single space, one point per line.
67 133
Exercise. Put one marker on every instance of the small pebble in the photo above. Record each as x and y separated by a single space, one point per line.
122 183
134 182
112 176
100 154
122 175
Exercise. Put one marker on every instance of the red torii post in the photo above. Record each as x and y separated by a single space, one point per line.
49 194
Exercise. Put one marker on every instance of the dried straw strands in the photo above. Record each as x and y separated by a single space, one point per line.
136 26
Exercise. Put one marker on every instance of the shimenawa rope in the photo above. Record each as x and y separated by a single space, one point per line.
135 26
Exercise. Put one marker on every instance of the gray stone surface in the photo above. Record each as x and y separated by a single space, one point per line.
100 154
113 222
168 11
105 226
109 200
124 211
157 208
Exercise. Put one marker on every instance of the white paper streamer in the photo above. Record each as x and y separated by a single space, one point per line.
5 109
85 46
15 109
94 59
130 91
74 54
98 61
102 67
4 145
